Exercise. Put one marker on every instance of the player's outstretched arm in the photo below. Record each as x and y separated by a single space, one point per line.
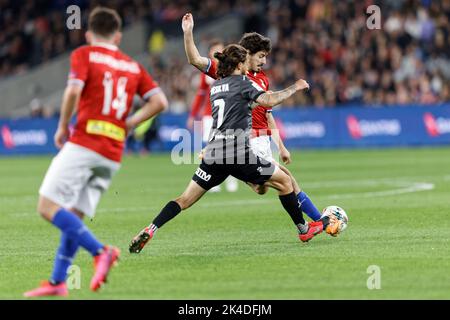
284 152
192 54
272 99
156 104
71 96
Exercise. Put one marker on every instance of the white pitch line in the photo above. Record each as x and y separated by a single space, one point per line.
416 187
404 187
366 182
202 205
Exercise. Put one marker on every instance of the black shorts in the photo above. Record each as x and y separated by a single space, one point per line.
209 175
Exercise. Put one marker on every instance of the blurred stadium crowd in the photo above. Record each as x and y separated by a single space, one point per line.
326 42
407 61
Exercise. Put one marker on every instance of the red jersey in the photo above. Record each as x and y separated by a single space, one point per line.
259 118
110 79
201 103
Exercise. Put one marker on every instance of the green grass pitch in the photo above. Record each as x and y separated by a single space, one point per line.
242 245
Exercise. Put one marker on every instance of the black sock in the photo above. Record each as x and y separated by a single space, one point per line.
325 221
167 213
290 204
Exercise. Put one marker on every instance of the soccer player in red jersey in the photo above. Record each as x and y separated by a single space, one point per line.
263 123
102 83
202 106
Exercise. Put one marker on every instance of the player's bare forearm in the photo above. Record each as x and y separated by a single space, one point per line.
274 131
192 54
275 98
272 99
285 155
70 100
154 106
71 97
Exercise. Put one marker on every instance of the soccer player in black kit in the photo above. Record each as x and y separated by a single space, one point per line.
228 151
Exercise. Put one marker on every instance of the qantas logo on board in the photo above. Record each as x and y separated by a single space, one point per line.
364 128
16 138
436 126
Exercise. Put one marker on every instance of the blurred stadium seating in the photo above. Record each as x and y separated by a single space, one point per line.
327 42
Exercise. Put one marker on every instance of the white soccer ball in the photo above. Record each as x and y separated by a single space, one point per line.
336 213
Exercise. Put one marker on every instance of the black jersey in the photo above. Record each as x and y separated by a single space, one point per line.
231 100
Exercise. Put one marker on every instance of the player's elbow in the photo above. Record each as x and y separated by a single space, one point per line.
158 103
73 90
163 103
196 61
191 60
267 103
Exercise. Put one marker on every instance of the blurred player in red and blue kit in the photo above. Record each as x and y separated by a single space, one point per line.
102 83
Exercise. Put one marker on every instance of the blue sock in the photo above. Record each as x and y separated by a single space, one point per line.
64 257
307 206
70 224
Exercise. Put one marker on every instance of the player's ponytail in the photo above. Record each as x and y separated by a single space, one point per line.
219 56
229 59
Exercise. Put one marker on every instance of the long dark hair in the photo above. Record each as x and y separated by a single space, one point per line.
229 59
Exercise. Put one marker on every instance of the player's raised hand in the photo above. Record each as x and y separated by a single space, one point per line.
61 136
187 23
302 84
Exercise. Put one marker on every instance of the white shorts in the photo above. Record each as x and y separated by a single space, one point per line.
77 177
207 122
261 147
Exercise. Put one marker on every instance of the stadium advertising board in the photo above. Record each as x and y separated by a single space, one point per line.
27 136
300 128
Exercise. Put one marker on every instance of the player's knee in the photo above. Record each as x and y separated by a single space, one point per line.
261 190
44 212
46 208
